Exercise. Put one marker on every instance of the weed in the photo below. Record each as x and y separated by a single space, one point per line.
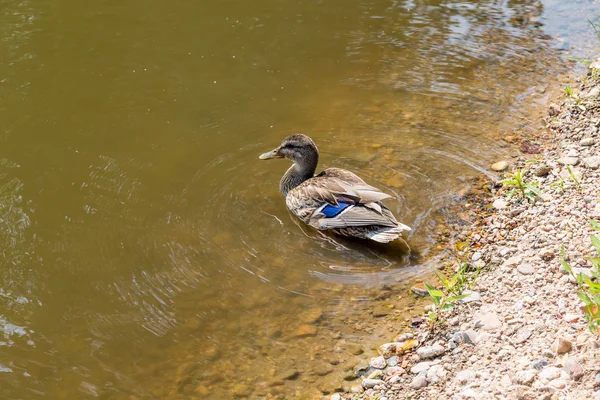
569 90
589 291
527 190
572 175
452 290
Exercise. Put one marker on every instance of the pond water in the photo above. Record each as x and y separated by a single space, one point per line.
147 252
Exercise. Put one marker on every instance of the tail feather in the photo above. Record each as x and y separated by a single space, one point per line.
385 235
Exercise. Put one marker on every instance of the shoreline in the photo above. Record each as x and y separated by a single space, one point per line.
526 337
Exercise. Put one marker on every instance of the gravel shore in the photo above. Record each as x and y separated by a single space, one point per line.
523 334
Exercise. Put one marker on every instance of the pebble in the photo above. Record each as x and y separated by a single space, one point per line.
523 335
392 361
550 373
420 367
592 162
499 203
525 377
500 166
558 383
436 374
587 141
473 296
311 316
539 363
305 331
487 320
419 288
378 362
568 160
387 350
561 345
571 317
369 383
465 376
430 351
418 382
574 369
525 269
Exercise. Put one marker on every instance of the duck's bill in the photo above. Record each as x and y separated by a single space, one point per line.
270 154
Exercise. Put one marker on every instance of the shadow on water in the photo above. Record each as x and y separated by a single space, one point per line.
147 253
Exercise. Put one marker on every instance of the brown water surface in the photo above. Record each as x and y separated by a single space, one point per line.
146 251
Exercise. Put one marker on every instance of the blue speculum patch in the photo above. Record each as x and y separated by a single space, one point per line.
332 211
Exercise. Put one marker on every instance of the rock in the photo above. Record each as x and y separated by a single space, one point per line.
420 367
335 396
355 349
392 361
499 204
574 369
403 337
553 110
525 377
311 316
378 362
594 92
369 383
241 390
500 166
356 389
381 311
525 269
436 374
476 256
287 375
539 363
546 254
402 348
473 296
487 320
430 351
523 335
387 350
558 383
305 331
377 374
511 262
468 337
587 141
550 373
568 160
571 318
322 368
419 288
465 376
542 170
395 371
592 162
561 345
418 382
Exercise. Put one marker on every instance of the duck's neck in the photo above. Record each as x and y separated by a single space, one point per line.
297 174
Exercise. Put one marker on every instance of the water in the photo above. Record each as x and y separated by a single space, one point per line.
146 251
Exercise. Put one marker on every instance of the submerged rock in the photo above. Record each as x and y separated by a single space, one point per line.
500 166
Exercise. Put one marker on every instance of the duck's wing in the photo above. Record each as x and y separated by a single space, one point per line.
337 199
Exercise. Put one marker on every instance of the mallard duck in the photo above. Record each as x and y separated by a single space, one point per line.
335 200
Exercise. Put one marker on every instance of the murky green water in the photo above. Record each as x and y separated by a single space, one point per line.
147 253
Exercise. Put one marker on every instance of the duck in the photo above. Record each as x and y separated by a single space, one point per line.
336 199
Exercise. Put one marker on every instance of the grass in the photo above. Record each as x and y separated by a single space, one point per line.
517 185
589 286
452 290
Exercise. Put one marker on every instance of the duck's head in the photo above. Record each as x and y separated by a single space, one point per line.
298 148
